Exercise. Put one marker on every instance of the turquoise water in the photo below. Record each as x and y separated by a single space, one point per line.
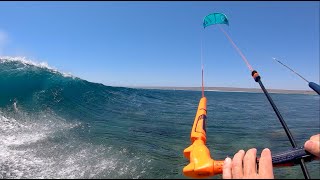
66 127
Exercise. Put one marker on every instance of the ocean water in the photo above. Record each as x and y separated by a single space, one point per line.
54 125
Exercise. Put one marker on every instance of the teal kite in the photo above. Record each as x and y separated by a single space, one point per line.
215 18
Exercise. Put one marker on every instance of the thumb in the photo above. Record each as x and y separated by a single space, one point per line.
313 147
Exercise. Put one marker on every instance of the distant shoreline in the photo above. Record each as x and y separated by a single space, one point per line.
228 89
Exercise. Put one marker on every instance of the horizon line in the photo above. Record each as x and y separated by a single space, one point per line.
226 89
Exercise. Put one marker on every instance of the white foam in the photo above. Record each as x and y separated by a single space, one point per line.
18 133
27 61
23 162
26 152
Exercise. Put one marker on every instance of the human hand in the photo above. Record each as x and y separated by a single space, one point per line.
313 145
243 165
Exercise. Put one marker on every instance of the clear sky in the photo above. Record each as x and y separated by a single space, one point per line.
159 43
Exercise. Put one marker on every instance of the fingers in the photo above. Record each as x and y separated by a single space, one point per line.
265 165
249 163
227 169
313 145
243 165
237 170
315 137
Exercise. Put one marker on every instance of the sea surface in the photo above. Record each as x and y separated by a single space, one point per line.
55 125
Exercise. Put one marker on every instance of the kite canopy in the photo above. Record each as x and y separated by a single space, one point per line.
215 18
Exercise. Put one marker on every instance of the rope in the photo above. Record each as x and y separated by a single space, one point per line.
236 47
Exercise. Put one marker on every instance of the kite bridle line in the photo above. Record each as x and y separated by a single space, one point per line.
257 78
291 70
312 85
236 47
202 87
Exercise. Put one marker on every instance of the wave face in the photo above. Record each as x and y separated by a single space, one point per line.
55 125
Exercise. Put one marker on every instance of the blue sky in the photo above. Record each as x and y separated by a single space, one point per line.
159 43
